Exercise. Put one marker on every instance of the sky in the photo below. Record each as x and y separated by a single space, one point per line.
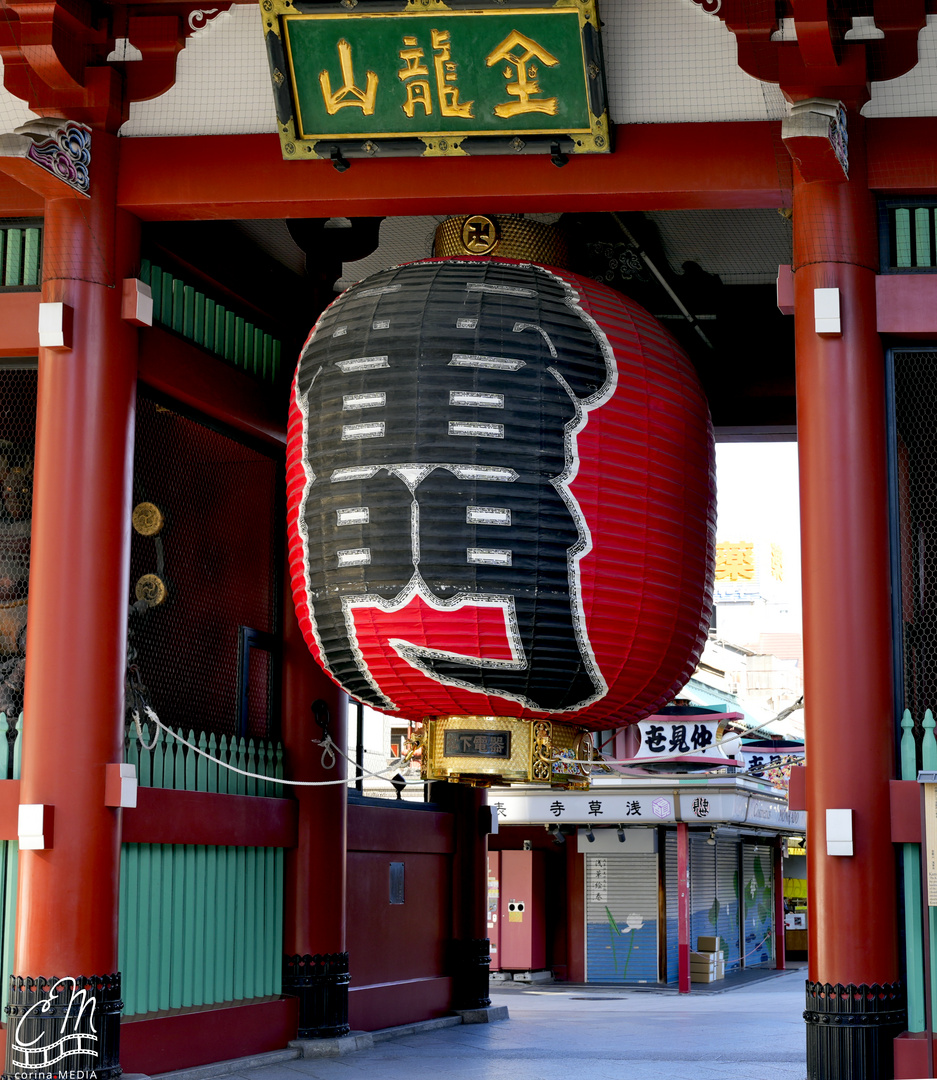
757 498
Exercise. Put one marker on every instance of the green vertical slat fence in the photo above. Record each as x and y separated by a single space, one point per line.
211 932
200 319
902 237
20 257
922 245
911 859
929 764
197 925
172 764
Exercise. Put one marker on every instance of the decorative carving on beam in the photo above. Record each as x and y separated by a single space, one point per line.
201 18
50 156
711 7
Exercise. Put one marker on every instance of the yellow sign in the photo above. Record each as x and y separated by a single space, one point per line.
735 561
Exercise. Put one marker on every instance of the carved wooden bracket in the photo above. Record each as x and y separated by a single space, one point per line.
55 55
825 60
51 157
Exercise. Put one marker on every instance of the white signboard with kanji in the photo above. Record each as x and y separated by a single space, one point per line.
660 738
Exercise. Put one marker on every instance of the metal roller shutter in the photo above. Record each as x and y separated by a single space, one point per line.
621 918
670 886
758 904
704 908
727 893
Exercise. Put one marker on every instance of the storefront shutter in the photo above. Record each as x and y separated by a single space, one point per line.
757 904
670 889
621 918
727 893
704 909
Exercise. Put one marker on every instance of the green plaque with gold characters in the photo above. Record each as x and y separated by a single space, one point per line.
371 78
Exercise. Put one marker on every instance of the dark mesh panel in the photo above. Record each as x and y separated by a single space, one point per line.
916 471
216 555
17 446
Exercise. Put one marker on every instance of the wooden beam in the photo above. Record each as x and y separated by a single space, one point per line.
18 201
186 373
653 167
903 154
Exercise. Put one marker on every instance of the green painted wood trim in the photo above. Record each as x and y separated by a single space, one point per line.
178 914
913 919
32 257
188 928
18 748
204 902
13 264
902 237
209 324
229 893
165 955
922 245
211 926
9 915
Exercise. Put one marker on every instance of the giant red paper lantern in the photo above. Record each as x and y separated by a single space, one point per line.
500 496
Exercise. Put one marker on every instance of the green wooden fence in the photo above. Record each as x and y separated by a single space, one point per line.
20 256
171 764
218 329
9 855
199 925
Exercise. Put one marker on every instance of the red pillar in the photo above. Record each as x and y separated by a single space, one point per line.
575 912
315 961
78 596
847 623
469 957
683 908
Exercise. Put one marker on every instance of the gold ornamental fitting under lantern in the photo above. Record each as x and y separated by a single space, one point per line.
507 236
486 750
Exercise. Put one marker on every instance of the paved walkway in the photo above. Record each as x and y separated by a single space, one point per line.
751 1032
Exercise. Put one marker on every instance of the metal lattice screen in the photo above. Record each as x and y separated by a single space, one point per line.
915 512
203 585
17 444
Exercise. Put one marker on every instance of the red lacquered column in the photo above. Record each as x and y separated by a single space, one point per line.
315 959
78 598
847 627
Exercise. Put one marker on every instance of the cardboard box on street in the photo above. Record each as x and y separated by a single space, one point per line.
708 944
704 959
702 976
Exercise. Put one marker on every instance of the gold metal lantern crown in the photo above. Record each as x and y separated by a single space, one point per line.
506 236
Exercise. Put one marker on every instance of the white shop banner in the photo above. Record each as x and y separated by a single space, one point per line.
703 806
663 739
759 759
776 815
545 808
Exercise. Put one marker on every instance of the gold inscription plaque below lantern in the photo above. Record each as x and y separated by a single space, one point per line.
486 750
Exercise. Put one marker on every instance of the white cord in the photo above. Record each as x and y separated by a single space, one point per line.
329 750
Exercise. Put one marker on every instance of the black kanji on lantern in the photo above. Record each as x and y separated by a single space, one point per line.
440 404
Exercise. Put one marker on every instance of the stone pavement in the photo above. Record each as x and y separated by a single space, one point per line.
754 1031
